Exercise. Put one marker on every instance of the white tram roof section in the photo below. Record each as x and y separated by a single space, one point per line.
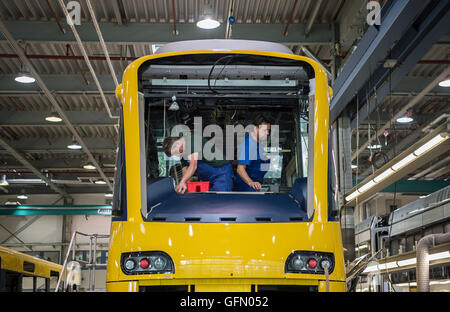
223 45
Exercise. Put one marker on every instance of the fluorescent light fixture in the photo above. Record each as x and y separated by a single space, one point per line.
109 195
24 77
402 163
439 255
390 265
208 23
383 175
375 146
53 117
366 186
406 262
438 139
89 166
351 196
354 166
405 119
430 144
372 268
4 182
445 83
100 181
74 145
22 196
361 247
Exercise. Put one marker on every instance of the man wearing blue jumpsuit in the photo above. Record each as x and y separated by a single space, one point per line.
217 171
252 161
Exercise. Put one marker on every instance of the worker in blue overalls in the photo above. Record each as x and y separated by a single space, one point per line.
217 171
252 161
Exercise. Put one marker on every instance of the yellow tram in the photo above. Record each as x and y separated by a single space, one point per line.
22 272
285 238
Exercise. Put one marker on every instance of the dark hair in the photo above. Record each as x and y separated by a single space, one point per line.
167 145
260 119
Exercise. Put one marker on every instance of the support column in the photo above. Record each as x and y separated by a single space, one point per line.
66 232
343 153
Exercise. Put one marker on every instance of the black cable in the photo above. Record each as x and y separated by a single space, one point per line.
230 57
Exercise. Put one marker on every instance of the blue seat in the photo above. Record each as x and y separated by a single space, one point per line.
300 191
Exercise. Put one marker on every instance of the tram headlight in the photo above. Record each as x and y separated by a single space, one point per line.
309 262
150 262
297 262
130 264
159 263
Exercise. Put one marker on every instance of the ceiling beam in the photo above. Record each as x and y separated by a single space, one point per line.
82 118
163 32
371 50
35 170
403 110
26 62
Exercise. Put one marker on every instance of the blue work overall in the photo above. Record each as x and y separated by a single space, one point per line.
249 153
220 178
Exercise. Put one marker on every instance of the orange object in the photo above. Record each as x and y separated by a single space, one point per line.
193 187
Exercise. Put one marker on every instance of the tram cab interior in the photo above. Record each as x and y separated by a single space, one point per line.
230 90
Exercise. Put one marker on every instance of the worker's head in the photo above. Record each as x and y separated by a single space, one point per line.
173 146
262 127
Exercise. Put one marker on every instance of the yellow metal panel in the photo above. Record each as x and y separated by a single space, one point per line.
113 266
130 286
243 250
334 286
13 260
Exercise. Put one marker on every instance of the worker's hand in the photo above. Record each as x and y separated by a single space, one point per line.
181 188
255 185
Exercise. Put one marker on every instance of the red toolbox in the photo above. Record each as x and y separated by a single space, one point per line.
193 187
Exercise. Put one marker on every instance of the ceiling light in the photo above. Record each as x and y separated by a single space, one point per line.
22 196
351 196
89 166
354 166
174 106
100 181
207 20
405 119
375 146
366 186
74 145
53 117
3 181
208 23
406 262
404 162
383 175
431 144
438 139
439 255
109 195
445 83
24 77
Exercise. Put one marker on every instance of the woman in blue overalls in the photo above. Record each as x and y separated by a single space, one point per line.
252 161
